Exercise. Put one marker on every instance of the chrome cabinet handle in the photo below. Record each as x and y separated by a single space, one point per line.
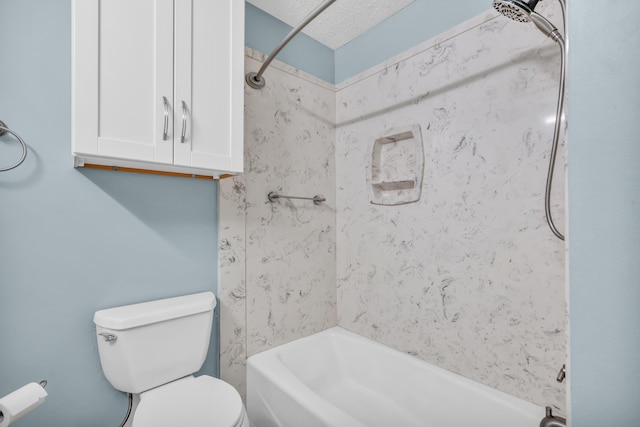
165 134
184 122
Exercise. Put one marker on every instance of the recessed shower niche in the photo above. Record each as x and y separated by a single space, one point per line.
397 166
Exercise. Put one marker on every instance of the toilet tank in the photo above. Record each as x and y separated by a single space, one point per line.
145 345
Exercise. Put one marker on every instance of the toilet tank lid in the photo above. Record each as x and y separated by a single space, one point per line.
134 315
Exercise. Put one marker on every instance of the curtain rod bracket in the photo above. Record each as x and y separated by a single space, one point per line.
255 81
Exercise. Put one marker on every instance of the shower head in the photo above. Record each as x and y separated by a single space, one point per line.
523 11
515 9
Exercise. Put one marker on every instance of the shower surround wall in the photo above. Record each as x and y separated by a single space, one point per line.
468 278
285 248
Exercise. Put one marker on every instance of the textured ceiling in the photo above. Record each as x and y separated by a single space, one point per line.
343 21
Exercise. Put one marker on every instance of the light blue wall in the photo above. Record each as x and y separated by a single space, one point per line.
419 21
414 24
604 212
74 241
264 33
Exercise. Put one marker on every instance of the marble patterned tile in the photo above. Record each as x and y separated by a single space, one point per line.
277 260
469 277
232 283
290 146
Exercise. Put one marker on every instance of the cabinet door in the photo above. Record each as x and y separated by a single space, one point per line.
209 73
123 73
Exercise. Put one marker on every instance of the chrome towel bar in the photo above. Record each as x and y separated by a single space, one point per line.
273 196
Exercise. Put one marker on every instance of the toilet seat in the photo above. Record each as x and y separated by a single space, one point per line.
190 402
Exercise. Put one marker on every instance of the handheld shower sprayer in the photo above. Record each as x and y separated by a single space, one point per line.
524 11
518 10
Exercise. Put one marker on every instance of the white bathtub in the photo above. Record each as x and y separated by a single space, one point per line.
339 379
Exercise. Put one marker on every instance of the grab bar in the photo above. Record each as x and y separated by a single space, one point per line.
273 196
3 130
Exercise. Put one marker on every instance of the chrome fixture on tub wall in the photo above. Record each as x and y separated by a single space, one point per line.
522 11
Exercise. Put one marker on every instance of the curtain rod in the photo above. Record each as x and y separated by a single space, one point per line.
255 80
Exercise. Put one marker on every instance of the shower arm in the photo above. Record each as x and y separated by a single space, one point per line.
255 80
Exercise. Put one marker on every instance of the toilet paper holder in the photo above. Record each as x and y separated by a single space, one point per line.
7 416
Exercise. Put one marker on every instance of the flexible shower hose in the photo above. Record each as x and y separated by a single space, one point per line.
556 135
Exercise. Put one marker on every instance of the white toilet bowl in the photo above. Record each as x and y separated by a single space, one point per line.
191 402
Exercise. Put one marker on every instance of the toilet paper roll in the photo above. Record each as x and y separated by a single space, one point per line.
19 403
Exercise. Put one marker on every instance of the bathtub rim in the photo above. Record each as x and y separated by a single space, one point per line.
289 382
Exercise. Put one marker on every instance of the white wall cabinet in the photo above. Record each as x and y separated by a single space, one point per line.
159 84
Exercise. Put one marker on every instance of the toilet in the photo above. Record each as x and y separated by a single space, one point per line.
152 350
